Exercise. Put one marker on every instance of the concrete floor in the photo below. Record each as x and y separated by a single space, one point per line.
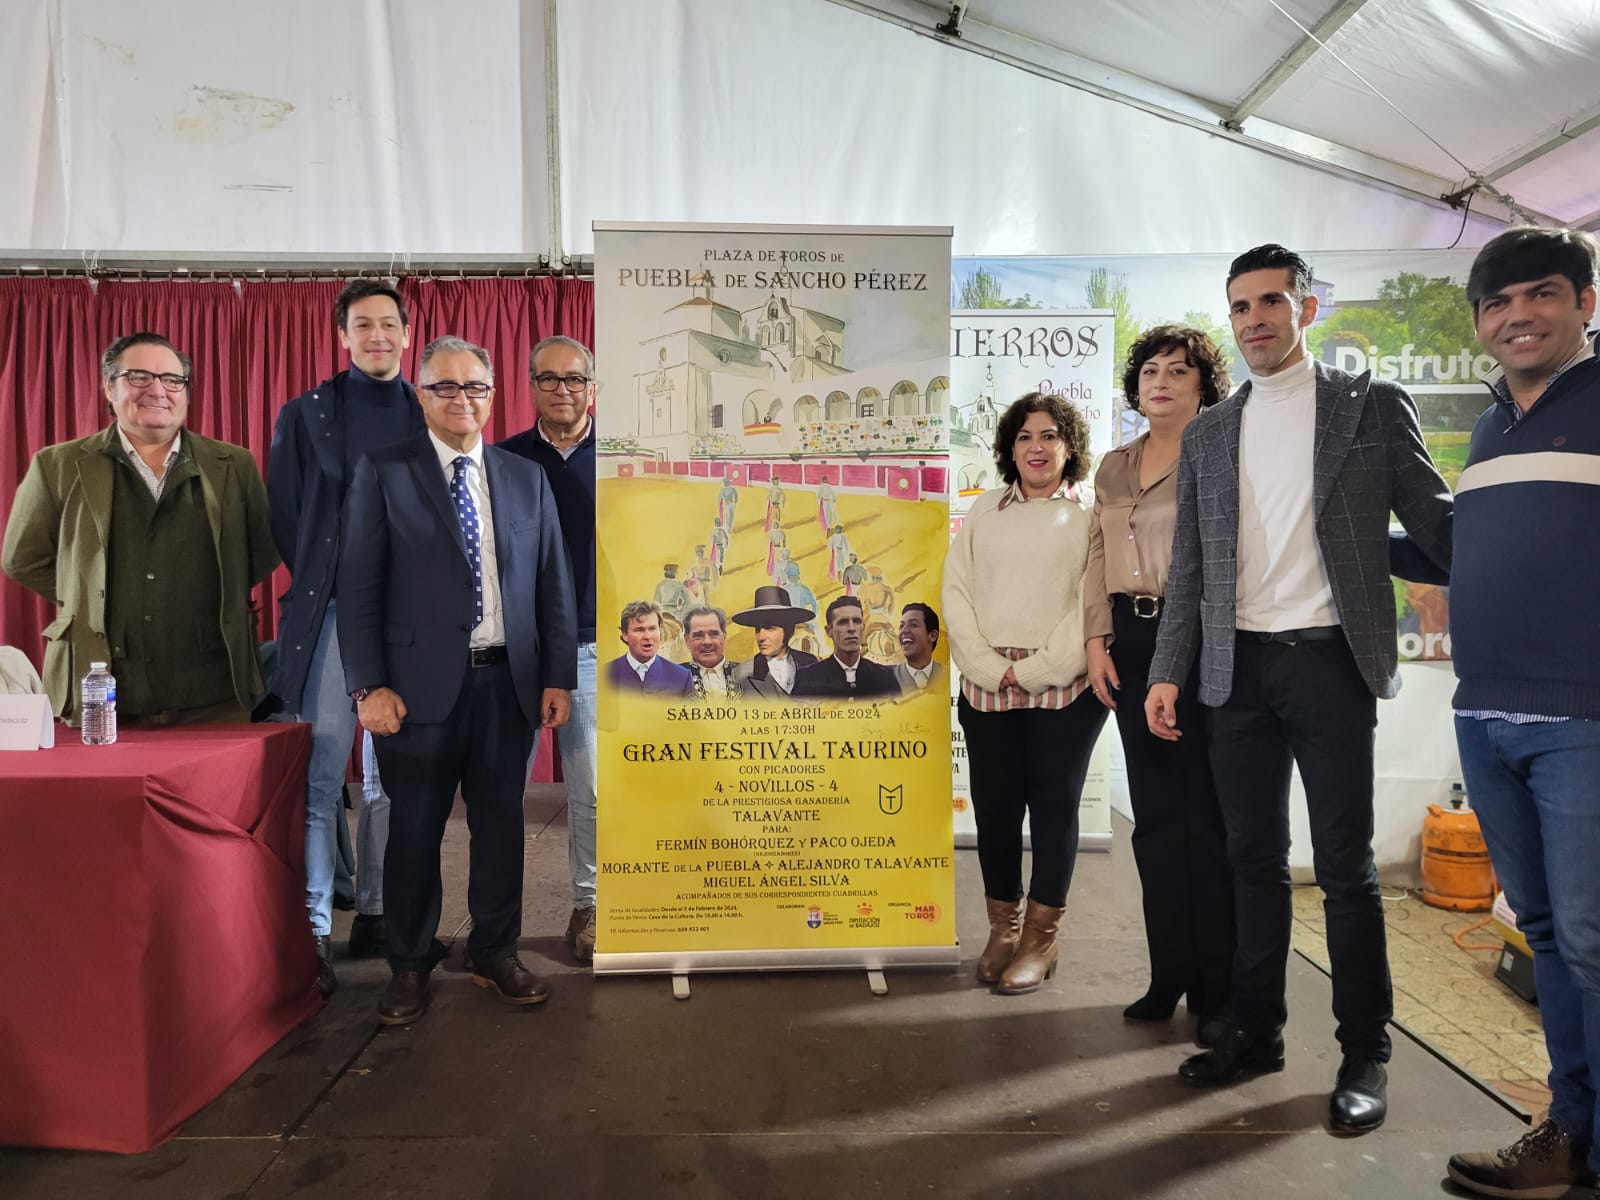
785 1085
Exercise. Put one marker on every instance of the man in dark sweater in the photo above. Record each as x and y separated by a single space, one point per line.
562 442
318 440
1527 653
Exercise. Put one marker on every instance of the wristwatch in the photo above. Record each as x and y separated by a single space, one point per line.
360 694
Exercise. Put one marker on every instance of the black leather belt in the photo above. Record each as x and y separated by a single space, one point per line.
1288 637
487 656
1147 607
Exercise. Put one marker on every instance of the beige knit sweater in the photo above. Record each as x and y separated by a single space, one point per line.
1014 577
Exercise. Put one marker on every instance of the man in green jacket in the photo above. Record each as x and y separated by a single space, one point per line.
148 539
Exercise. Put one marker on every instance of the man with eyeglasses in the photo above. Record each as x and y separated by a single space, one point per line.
148 538
561 441
460 641
319 438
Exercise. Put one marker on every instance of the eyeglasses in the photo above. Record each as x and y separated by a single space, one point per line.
449 389
550 383
140 379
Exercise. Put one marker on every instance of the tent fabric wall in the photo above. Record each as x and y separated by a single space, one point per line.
391 130
808 112
293 127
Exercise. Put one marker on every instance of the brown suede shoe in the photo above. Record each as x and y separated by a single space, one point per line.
405 999
580 934
514 982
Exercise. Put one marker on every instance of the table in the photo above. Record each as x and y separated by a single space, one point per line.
153 931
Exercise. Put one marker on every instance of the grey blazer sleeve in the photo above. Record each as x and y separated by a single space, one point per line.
1419 495
1179 638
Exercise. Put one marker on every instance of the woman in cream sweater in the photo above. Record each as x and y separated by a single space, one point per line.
1014 613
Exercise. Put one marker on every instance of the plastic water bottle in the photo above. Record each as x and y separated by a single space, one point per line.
98 706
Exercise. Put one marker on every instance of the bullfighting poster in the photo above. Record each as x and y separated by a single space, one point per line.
773 505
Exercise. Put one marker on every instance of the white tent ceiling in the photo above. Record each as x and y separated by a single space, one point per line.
1505 92
381 130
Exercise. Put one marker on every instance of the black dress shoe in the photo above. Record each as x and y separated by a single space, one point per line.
369 937
514 983
1157 1004
1236 1053
1360 1099
327 981
405 999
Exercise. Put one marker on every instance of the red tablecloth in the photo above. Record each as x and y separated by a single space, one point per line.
153 933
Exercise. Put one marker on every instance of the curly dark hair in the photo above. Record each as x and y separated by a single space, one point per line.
1199 351
1069 421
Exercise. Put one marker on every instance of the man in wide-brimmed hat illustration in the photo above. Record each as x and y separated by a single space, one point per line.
771 673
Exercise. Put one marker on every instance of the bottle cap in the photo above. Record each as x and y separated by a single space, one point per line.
97 666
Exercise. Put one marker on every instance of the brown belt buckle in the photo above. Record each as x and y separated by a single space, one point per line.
1155 606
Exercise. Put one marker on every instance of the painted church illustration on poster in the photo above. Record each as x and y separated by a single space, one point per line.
720 381
797 444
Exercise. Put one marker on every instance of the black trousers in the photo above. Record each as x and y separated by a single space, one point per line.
1303 704
1033 761
1178 841
482 747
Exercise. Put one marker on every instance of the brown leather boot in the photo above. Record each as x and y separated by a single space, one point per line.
1036 951
1005 926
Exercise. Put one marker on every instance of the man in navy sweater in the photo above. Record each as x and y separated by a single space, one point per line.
1527 528
562 442
318 440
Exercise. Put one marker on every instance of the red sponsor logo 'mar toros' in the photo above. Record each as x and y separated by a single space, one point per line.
923 912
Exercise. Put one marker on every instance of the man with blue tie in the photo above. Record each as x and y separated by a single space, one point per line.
458 627
641 669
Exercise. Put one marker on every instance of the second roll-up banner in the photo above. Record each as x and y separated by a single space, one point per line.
774 489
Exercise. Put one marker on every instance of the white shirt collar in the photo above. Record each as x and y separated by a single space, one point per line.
783 670
639 668
172 451
449 454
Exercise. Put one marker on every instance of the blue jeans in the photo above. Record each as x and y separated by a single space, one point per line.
372 834
578 757
1536 789
327 708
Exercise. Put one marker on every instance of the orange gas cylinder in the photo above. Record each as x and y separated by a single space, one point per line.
1456 872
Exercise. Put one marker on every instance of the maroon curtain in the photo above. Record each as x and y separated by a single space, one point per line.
202 320
564 306
255 346
492 313
50 392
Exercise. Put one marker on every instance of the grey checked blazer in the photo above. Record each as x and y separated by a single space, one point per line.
1369 459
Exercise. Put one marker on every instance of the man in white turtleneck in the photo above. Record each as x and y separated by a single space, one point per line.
1280 583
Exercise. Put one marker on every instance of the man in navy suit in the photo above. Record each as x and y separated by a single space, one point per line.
641 669
458 627
845 674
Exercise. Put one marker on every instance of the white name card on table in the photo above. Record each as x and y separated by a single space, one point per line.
26 723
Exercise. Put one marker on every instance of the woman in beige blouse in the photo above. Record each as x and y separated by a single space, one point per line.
1178 840
1014 617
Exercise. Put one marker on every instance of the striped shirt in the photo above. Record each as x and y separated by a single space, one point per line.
1012 698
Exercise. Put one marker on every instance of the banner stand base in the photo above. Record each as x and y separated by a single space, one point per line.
681 964
877 984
